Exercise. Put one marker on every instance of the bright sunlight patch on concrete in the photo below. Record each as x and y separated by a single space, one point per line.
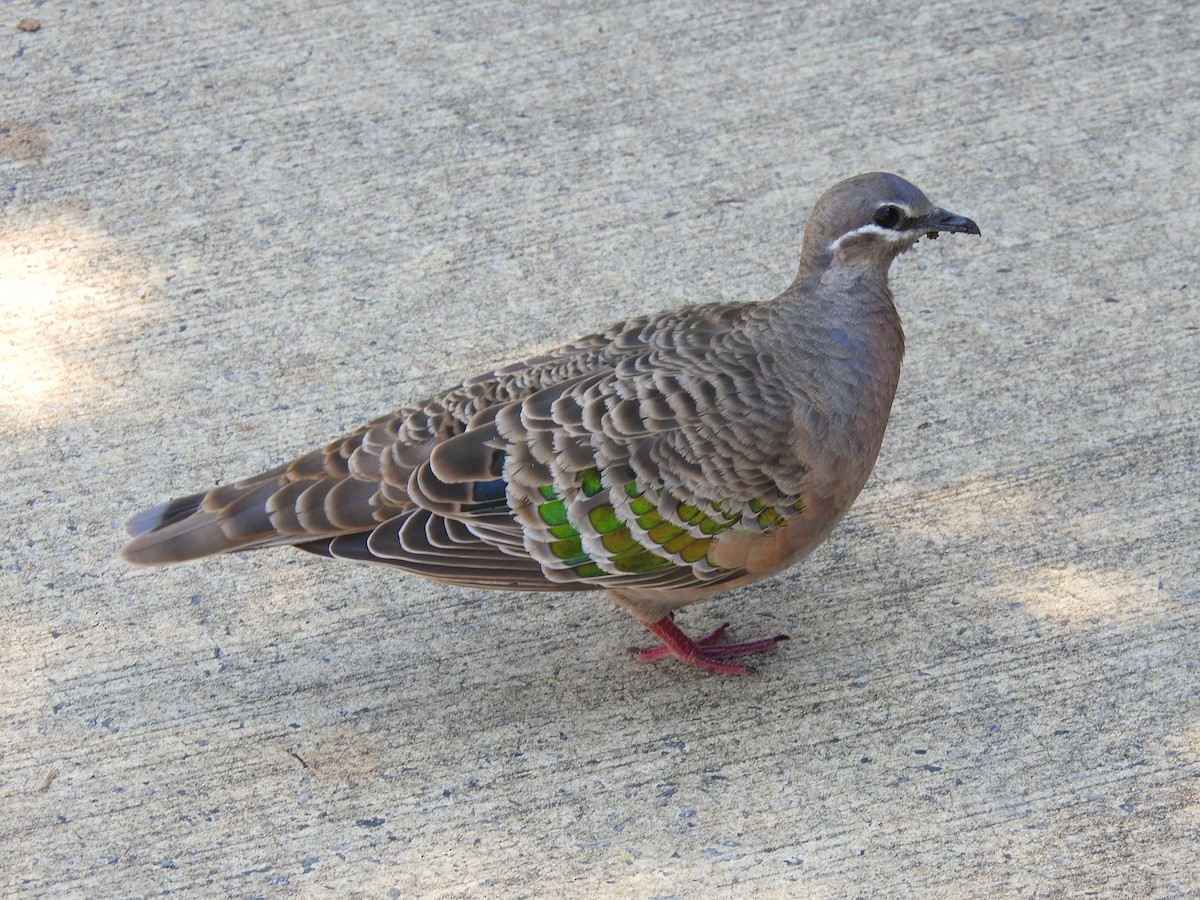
63 289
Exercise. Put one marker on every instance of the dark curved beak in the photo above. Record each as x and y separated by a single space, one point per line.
941 220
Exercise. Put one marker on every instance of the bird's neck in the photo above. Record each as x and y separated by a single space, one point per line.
846 317
837 343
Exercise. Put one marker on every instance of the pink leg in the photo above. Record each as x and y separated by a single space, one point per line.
704 652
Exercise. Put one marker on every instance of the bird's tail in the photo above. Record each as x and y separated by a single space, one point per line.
232 517
294 504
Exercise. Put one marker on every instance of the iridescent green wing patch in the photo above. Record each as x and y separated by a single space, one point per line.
640 538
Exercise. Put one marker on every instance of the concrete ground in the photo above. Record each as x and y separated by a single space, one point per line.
232 231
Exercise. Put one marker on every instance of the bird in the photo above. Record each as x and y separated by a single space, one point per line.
669 458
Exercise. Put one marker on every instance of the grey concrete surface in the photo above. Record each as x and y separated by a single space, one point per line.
233 230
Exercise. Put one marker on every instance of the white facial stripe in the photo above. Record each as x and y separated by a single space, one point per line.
897 237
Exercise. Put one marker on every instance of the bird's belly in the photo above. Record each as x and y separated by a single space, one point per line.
763 554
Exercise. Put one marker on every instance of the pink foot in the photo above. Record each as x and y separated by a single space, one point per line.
704 652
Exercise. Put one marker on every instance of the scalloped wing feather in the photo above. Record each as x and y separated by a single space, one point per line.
616 460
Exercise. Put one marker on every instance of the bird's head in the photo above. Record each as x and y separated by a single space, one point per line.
866 221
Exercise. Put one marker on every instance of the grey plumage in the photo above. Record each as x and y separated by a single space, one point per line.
668 458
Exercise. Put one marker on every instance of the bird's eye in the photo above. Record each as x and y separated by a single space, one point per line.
888 216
